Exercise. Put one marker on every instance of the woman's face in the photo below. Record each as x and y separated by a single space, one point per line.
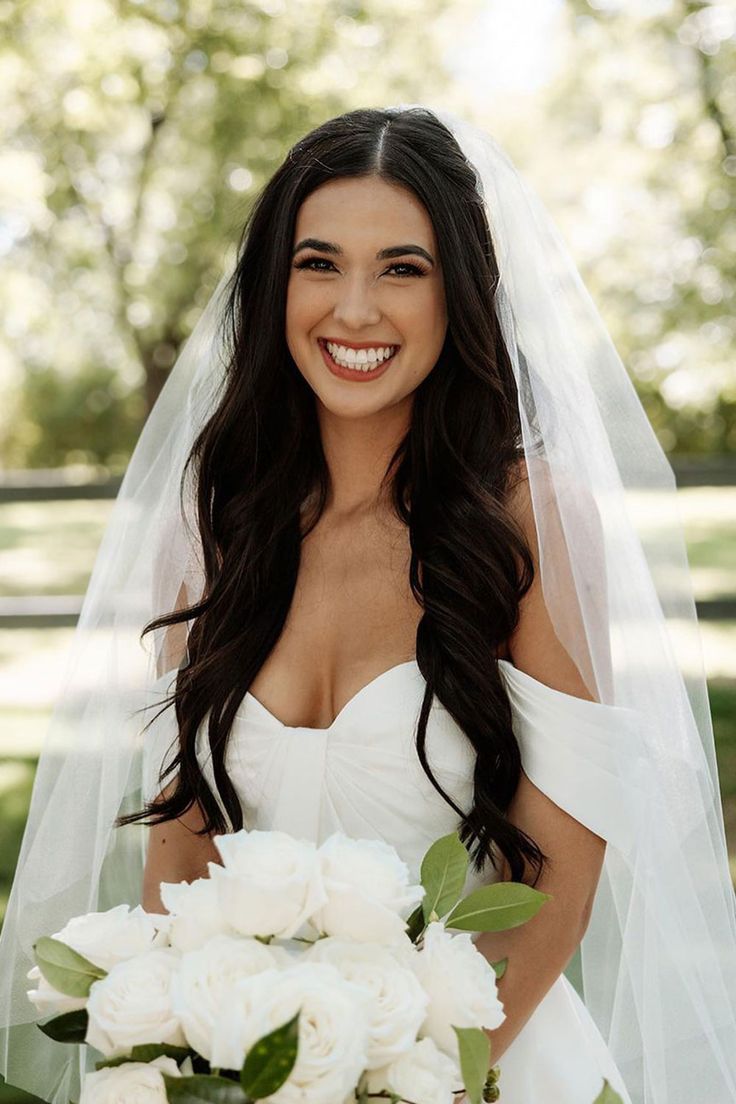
364 274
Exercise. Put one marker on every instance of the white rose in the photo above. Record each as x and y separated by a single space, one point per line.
270 883
422 1073
369 896
333 1029
404 951
195 911
201 986
131 1083
133 1005
461 985
399 1000
104 938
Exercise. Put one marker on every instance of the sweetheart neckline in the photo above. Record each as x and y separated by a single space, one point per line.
359 693
584 706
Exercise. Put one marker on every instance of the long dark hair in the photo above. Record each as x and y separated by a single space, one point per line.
259 459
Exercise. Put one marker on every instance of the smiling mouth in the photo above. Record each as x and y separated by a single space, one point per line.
367 368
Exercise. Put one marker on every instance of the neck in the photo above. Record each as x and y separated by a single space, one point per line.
357 452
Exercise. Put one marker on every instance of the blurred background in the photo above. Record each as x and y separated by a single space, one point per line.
136 134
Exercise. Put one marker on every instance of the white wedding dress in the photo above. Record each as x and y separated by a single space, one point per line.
362 776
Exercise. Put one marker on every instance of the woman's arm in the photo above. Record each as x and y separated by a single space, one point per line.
176 854
539 950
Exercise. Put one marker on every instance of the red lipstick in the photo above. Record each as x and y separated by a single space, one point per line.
356 375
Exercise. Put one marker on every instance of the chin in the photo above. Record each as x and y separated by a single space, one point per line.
352 408
352 401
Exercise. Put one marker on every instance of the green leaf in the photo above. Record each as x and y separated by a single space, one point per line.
475 1058
146 1052
607 1095
69 973
442 874
415 924
497 907
202 1088
71 1027
500 967
270 1061
106 1063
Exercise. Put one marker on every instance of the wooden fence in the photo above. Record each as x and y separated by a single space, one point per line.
53 611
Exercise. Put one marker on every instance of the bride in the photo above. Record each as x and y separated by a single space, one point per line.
382 524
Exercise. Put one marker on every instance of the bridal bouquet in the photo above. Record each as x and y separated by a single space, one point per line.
304 974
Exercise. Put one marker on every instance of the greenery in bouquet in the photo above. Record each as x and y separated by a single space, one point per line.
297 973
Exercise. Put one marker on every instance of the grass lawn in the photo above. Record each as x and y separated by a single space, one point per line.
10 1095
31 660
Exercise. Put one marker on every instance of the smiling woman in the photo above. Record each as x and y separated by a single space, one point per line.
404 599
358 300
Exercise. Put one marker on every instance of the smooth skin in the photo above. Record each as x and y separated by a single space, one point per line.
353 614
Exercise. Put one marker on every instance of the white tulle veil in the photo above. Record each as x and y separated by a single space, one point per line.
659 955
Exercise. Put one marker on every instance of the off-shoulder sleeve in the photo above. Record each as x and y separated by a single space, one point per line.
587 757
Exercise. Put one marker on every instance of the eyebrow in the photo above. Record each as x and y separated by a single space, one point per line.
382 254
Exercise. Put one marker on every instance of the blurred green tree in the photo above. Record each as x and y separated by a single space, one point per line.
652 96
136 135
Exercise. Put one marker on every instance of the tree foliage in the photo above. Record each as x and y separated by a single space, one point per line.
136 134
650 103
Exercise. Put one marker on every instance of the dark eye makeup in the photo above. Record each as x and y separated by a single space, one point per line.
414 270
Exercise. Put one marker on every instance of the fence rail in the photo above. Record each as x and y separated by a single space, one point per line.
62 611
51 484
57 484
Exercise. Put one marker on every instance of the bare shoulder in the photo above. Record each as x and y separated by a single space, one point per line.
534 647
575 852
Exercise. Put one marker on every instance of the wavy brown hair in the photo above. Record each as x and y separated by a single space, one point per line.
259 459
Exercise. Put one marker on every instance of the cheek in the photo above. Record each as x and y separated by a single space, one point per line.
428 327
305 300
301 311
294 310
438 311
428 323
427 313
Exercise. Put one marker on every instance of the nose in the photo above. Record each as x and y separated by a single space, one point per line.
355 306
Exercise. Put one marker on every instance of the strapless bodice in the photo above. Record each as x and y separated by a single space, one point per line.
361 775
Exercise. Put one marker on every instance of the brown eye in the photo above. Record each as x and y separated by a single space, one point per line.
312 261
412 269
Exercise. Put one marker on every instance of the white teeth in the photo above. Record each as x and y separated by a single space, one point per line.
361 360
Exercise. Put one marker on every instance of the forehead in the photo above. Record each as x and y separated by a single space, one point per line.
356 210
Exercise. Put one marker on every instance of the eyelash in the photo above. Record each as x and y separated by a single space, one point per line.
416 270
